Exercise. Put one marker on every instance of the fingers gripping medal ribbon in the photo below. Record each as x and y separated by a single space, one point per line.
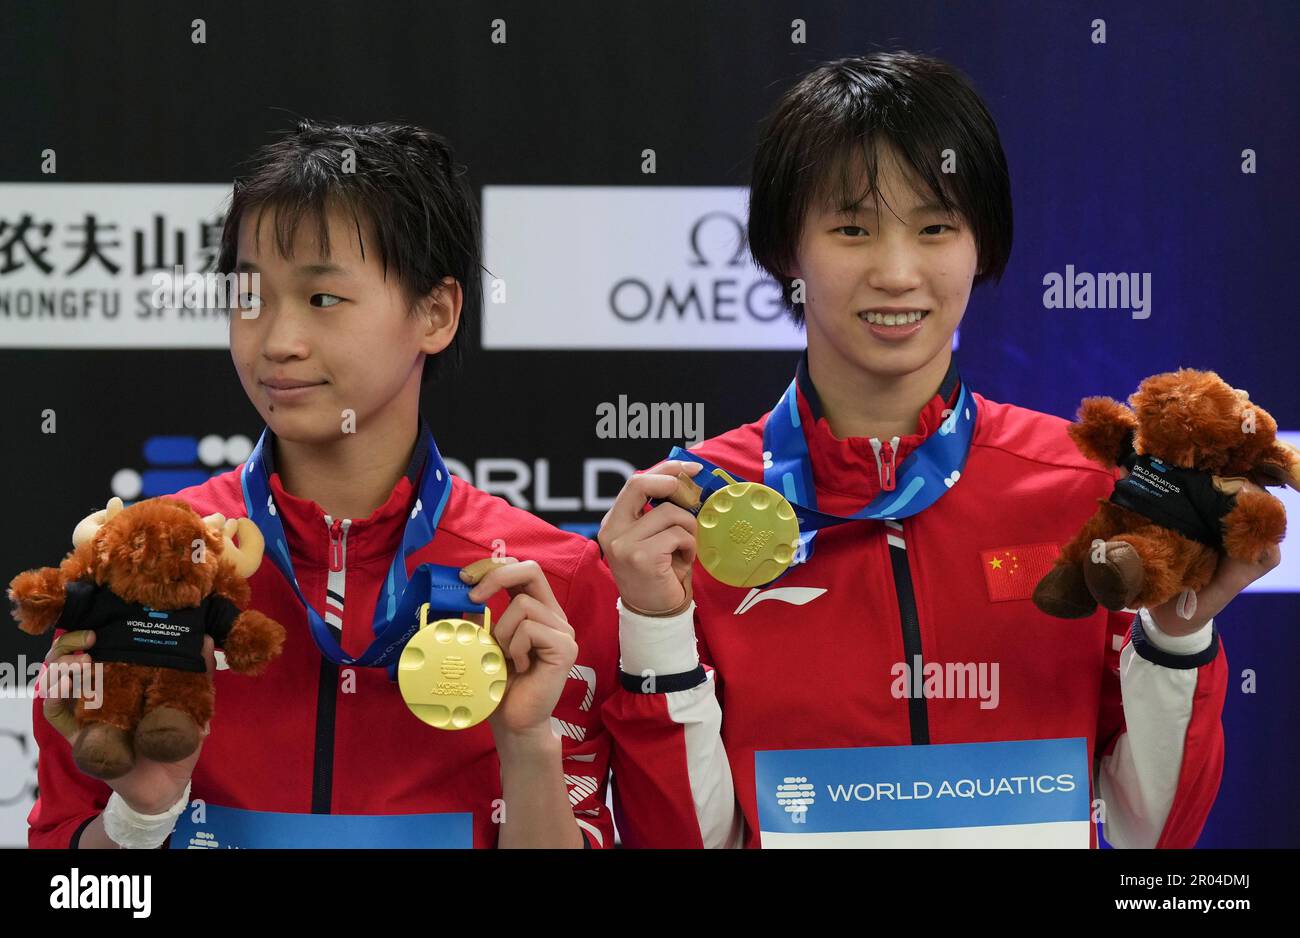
452 673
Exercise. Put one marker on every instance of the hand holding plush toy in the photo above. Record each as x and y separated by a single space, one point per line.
1191 444
151 581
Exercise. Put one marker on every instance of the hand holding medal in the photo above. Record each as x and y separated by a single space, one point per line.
539 643
452 673
746 534
455 673
650 552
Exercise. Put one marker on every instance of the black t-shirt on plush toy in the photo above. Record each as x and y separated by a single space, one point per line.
1183 500
139 634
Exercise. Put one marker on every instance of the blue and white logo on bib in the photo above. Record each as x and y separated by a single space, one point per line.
795 795
1031 793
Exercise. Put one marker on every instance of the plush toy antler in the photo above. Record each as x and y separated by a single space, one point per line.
1279 465
245 557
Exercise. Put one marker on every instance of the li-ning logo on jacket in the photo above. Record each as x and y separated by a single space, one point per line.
794 595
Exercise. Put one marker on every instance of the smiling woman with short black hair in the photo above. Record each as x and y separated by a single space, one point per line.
880 198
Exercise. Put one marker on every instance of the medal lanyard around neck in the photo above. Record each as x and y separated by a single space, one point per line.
923 478
396 616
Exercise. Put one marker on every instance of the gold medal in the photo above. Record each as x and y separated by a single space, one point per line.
452 673
746 533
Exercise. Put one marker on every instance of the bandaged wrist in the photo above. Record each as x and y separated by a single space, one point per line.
131 830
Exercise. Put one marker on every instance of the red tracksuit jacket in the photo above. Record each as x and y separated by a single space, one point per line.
773 675
310 737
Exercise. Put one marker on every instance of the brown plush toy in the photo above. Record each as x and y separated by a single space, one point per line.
1190 443
151 580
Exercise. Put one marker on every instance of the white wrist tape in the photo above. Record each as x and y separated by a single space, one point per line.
131 830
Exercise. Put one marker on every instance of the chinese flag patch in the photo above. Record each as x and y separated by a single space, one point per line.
1013 572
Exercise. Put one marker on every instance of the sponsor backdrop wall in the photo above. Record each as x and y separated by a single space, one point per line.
1126 157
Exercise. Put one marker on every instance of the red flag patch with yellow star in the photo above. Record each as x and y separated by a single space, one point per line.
1013 572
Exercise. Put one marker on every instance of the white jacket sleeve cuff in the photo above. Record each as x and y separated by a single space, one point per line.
655 644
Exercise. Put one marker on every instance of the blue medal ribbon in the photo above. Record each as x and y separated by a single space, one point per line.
396 616
922 479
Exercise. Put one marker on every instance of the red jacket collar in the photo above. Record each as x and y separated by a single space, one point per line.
376 537
848 467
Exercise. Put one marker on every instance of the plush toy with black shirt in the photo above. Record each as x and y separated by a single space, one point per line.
151 581
1190 444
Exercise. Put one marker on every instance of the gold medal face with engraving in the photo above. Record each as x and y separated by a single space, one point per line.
452 673
746 534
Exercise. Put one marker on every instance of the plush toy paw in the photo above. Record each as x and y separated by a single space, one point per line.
254 641
1256 522
1102 426
1064 594
166 735
103 751
1117 579
37 597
